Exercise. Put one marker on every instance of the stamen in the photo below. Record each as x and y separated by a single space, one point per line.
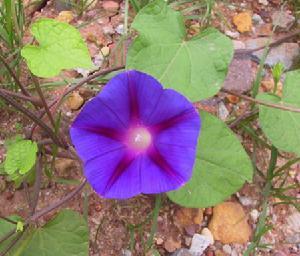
139 138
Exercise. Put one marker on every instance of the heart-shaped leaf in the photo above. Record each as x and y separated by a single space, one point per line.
21 157
196 67
222 166
283 127
60 47
65 235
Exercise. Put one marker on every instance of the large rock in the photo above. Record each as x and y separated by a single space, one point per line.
240 76
229 223
286 53
283 19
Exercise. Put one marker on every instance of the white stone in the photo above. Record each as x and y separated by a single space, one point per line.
227 248
257 19
199 244
206 232
232 34
238 45
120 29
263 2
254 214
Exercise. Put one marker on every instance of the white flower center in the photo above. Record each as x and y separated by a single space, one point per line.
139 138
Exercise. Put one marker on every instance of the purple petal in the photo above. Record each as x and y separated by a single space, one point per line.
154 179
115 175
90 145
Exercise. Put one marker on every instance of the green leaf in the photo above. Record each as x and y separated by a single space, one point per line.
282 128
222 166
60 47
196 67
20 226
65 235
6 227
21 157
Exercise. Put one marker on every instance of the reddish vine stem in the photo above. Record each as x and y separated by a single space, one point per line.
33 100
46 210
31 116
8 235
12 244
261 102
91 77
37 184
56 204
39 91
13 75
7 219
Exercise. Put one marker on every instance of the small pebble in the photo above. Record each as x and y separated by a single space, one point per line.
246 201
263 2
257 19
126 253
105 51
232 34
207 233
227 248
120 29
108 29
159 241
254 214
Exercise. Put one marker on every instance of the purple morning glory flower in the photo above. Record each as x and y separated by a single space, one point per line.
135 137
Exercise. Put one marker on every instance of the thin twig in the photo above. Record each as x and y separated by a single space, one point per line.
264 103
31 116
242 117
61 154
272 44
13 75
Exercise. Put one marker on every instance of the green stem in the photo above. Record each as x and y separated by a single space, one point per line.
126 18
154 221
261 225
259 74
275 85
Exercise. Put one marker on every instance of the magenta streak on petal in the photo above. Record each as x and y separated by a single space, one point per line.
103 131
160 161
118 171
189 113
134 107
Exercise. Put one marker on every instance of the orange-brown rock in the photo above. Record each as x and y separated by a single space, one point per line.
243 22
188 216
229 223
